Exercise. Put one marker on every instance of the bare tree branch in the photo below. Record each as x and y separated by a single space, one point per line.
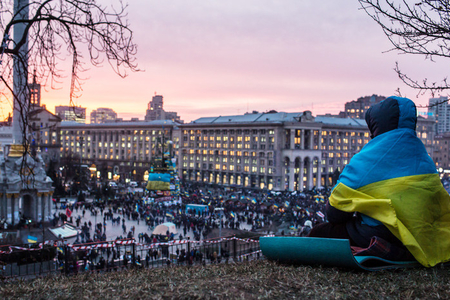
55 31
420 27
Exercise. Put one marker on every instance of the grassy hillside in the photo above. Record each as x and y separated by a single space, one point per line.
252 280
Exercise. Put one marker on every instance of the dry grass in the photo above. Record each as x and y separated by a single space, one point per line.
252 280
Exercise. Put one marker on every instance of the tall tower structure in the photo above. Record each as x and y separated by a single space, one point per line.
35 93
155 111
157 103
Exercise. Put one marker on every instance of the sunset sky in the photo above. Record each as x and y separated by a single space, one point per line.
216 57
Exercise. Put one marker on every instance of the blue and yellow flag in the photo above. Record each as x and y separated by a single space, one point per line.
254 201
232 214
393 181
169 215
32 239
275 205
158 182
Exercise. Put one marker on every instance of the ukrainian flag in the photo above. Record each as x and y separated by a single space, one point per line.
232 214
158 182
169 215
32 239
275 205
253 201
393 181
286 203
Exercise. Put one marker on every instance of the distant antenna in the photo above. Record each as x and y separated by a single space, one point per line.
247 106
155 93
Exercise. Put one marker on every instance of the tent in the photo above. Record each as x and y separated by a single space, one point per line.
65 231
197 207
161 229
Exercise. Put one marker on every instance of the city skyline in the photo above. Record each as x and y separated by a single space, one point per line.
226 58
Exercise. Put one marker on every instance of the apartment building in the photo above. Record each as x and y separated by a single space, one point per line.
276 150
119 151
45 135
279 151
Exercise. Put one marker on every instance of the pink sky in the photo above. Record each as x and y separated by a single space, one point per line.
215 57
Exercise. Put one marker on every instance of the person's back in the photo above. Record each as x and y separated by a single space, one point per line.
394 188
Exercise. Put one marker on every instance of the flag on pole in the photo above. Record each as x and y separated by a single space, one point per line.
32 239
233 214
68 212
320 214
286 203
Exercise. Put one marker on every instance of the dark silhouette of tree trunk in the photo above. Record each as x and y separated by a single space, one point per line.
418 27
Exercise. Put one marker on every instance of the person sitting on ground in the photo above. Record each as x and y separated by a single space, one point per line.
390 194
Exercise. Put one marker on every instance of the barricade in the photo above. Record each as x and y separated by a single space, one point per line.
69 259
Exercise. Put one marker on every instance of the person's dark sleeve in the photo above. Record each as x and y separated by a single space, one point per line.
335 215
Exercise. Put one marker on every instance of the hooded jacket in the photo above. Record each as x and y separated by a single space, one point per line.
393 181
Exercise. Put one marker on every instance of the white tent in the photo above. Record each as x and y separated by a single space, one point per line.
161 229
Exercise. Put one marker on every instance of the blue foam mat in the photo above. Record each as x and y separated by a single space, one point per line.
325 252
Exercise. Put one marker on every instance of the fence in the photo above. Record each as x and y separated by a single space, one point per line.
56 257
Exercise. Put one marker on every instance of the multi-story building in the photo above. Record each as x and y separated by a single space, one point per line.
426 132
155 111
103 115
45 134
119 150
440 110
279 151
441 155
357 109
71 113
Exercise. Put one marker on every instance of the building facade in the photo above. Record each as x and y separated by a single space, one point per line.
357 109
277 151
119 151
441 155
155 111
425 130
440 110
71 113
45 136
103 115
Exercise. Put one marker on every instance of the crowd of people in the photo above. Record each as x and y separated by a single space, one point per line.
263 211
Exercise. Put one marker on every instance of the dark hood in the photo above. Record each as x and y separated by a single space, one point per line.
392 113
